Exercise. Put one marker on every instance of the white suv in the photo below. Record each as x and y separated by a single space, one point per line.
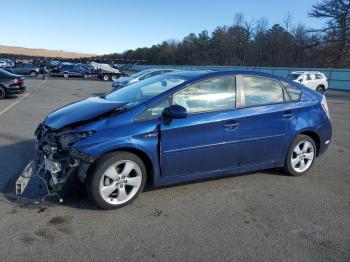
311 79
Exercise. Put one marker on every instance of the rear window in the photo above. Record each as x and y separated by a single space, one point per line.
319 76
293 92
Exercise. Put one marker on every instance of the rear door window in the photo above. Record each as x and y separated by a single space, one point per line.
261 91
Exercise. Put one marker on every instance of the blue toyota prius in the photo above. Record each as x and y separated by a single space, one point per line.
179 127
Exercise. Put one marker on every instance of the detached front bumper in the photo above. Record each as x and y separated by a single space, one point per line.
50 175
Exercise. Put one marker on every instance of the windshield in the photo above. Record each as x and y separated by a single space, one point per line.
293 76
141 73
142 91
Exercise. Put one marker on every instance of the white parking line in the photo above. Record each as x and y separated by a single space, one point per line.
20 99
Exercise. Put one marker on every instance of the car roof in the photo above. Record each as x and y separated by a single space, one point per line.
202 74
306 72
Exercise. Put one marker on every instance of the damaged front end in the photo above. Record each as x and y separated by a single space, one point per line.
56 159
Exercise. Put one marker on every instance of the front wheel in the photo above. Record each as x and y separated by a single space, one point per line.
33 74
117 179
301 156
2 92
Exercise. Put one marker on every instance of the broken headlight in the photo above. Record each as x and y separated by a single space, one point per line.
68 140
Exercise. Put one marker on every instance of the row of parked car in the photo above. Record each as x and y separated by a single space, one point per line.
103 71
11 79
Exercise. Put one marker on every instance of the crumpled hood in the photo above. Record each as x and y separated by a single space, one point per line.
81 111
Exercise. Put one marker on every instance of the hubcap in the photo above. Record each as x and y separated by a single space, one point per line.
302 156
120 182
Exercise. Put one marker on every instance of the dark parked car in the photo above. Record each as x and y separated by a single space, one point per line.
179 127
24 69
10 84
71 70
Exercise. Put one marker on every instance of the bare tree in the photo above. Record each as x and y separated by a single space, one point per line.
238 19
261 25
288 21
337 30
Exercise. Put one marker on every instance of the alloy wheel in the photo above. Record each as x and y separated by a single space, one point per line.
120 182
302 156
2 92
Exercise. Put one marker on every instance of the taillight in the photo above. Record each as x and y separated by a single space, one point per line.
16 81
325 105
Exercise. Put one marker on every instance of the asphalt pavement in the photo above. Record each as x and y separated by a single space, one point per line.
259 216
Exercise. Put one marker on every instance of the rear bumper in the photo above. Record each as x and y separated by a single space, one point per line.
15 89
325 134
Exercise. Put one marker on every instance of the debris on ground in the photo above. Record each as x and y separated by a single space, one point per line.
158 213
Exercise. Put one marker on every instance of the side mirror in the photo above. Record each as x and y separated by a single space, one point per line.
174 112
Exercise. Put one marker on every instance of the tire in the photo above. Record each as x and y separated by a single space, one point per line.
320 89
105 77
114 77
33 74
3 92
121 186
301 156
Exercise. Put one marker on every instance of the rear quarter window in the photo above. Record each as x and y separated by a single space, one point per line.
293 92
319 76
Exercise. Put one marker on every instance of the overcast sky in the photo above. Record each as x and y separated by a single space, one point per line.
103 26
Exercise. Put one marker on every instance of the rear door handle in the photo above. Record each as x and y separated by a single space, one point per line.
288 114
231 125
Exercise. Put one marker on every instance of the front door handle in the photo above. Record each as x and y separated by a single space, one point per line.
288 115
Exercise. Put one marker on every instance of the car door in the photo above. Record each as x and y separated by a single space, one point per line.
266 119
207 140
27 68
18 68
309 81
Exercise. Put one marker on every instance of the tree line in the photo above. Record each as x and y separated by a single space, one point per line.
254 43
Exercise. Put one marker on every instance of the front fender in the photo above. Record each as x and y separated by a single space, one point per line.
145 139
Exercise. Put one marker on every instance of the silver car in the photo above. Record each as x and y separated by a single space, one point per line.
126 80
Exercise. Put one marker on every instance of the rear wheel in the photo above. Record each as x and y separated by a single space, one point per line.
114 77
117 180
301 156
2 92
320 89
105 77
